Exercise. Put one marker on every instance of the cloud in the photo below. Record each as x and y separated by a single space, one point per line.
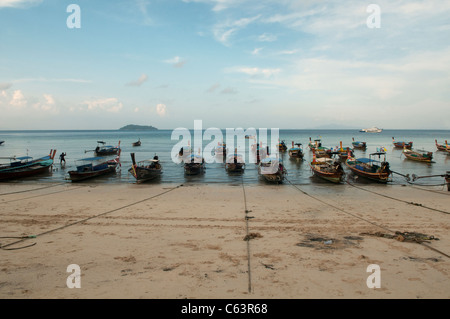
18 99
267 37
254 71
213 87
161 109
51 80
48 105
256 51
223 31
229 90
143 78
177 62
108 104
5 86
18 3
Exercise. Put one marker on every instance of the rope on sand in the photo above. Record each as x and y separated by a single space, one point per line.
247 238
397 199
86 219
368 221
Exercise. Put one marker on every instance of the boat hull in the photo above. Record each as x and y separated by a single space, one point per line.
414 156
193 169
21 172
76 176
382 177
334 177
144 174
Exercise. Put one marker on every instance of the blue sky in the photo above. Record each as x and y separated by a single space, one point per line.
231 63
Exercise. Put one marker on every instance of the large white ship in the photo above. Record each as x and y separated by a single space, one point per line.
372 130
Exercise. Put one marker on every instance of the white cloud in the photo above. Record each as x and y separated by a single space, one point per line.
5 86
176 61
266 37
48 105
18 3
256 51
18 99
108 104
161 109
254 71
143 78
223 31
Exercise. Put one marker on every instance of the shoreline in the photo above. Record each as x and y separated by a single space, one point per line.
159 241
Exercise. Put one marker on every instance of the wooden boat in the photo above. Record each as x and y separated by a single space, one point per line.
272 169
282 146
88 168
343 153
371 168
314 144
327 169
194 165
221 150
26 167
418 155
260 152
145 170
441 147
359 145
235 163
1 142
296 152
323 152
402 144
106 150
138 143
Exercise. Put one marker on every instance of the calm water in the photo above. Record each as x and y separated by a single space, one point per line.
75 143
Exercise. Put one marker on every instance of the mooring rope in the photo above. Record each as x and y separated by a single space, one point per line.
397 199
247 238
64 190
86 219
34 189
368 221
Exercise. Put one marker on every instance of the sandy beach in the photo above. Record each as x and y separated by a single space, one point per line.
203 241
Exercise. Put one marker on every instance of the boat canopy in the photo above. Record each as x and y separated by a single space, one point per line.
366 160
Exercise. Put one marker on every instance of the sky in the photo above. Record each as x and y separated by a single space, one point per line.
285 64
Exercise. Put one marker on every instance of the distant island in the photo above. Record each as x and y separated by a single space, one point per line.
132 127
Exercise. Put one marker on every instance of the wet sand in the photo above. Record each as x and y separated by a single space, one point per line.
165 241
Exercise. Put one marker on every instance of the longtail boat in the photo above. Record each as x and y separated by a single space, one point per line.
282 146
145 170
105 150
194 165
1 142
272 169
314 144
441 147
235 163
402 145
26 167
137 143
296 152
327 168
418 155
447 180
344 153
359 145
376 170
87 168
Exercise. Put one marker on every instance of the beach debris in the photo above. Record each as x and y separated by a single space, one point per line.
404 236
252 236
267 266
321 242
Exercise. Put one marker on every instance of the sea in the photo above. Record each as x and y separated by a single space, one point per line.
79 144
